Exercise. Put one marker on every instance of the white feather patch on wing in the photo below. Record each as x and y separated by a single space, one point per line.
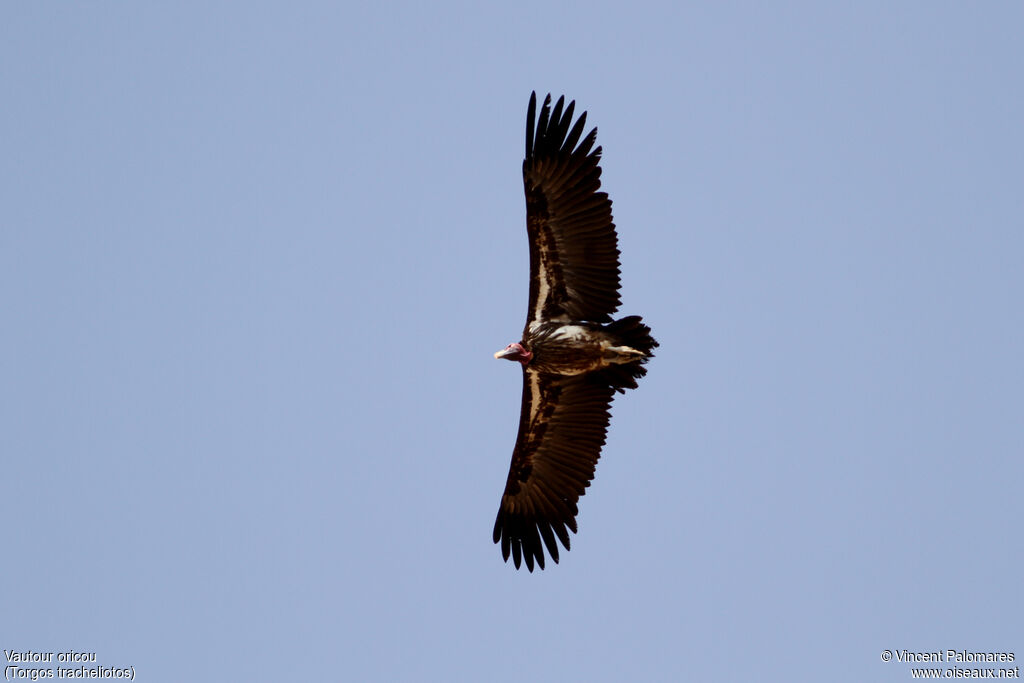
543 286
570 333
534 396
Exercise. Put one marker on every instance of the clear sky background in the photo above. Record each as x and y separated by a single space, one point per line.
255 258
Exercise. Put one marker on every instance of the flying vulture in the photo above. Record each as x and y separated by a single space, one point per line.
574 355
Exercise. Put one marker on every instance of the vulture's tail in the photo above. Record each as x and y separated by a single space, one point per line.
632 332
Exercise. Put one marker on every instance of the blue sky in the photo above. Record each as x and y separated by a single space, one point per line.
254 261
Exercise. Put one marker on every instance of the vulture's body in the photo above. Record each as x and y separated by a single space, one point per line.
574 355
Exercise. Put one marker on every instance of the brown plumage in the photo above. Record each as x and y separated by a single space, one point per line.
574 355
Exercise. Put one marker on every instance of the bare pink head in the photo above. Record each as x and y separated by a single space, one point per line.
515 351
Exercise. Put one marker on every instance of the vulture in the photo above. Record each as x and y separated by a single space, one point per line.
574 355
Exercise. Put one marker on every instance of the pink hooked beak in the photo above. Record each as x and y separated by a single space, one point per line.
515 351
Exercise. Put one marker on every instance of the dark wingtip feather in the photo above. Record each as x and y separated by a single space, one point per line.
542 124
531 114
563 535
574 135
549 541
556 113
535 551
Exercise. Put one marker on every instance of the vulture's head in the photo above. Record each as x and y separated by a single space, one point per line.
515 351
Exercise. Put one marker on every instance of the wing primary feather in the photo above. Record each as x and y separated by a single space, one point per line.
556 120
542 126
534 551
560 126
549 541
575 133
566 122
517 553
531 114
588 142
560 531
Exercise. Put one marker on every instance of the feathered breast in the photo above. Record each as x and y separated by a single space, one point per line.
565 349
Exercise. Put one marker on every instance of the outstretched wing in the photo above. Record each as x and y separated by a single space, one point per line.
574 255
562 428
